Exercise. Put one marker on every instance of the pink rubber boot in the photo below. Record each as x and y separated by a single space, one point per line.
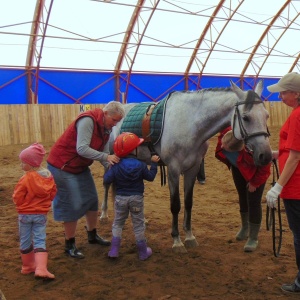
41 260
28 263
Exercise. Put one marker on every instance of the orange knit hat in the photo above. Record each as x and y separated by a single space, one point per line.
33 155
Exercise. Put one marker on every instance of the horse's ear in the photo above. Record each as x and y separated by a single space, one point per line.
259 87
237 90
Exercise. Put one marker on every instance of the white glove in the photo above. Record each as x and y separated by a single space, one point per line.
275 154
272 195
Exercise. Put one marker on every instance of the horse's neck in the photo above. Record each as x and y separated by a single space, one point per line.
216 109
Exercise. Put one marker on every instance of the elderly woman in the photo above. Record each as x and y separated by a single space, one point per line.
288 184
79 146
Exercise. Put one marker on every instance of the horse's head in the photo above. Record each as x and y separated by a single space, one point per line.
249 123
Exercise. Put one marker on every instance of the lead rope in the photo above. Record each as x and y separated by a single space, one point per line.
270 216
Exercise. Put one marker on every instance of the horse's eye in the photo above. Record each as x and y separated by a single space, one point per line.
246 118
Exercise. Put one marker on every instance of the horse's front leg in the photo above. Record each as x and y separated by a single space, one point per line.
173 180
104 206
189 182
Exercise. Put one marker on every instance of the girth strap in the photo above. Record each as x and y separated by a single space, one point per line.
146 123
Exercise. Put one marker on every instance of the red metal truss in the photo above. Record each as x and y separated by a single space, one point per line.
35 48
206 34
138 36
265 38
136 31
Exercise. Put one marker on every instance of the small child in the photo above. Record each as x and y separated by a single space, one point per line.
32 196
128 176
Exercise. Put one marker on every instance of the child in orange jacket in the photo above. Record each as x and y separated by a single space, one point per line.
33 196
249 181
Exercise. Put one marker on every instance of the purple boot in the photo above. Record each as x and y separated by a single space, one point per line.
115 246
144 251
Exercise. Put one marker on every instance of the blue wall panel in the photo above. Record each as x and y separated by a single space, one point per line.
69 87
12 86
151 87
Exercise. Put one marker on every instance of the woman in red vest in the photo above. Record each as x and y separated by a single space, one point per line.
249 181
79 146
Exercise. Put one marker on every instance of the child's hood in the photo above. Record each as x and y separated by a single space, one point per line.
41 183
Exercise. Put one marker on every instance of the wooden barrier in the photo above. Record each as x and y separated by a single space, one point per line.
22 124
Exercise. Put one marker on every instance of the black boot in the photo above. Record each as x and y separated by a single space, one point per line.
71 249
94 238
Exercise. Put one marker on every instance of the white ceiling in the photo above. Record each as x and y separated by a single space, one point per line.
86 34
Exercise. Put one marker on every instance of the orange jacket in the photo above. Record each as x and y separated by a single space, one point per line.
34 193
256 175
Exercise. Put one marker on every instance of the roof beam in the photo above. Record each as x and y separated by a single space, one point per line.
207 29
35 48
260 40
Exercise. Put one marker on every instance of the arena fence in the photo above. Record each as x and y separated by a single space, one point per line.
28 123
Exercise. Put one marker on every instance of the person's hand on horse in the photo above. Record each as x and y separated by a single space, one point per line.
113 159
273 194
155 158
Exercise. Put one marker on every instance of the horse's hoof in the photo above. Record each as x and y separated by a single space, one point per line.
179 249
191 243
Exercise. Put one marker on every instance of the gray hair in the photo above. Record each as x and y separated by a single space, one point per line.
114 108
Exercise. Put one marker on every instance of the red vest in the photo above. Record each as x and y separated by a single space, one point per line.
245 163
63 154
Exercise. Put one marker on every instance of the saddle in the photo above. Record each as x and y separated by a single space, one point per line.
146 121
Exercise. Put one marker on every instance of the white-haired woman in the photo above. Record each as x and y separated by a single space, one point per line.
70 157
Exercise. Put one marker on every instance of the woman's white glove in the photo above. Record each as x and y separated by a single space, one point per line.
275 154
272 195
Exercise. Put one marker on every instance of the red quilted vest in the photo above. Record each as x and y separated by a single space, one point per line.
63 154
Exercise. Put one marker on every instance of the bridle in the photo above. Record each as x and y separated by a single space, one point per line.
238 118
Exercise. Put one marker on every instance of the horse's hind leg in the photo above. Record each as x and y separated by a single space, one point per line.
190 240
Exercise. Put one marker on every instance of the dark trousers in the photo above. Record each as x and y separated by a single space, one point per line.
292 210
249 202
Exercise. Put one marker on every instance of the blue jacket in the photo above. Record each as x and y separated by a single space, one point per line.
128 176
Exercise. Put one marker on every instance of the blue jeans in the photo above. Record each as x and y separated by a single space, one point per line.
32 230
135 205
292 209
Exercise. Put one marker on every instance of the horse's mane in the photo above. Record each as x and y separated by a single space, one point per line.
214 89
251 97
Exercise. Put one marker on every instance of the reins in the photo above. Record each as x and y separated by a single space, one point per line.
270 217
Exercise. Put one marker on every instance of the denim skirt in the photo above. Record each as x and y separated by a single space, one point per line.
76 194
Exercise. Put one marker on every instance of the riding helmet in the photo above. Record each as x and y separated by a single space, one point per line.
125 143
